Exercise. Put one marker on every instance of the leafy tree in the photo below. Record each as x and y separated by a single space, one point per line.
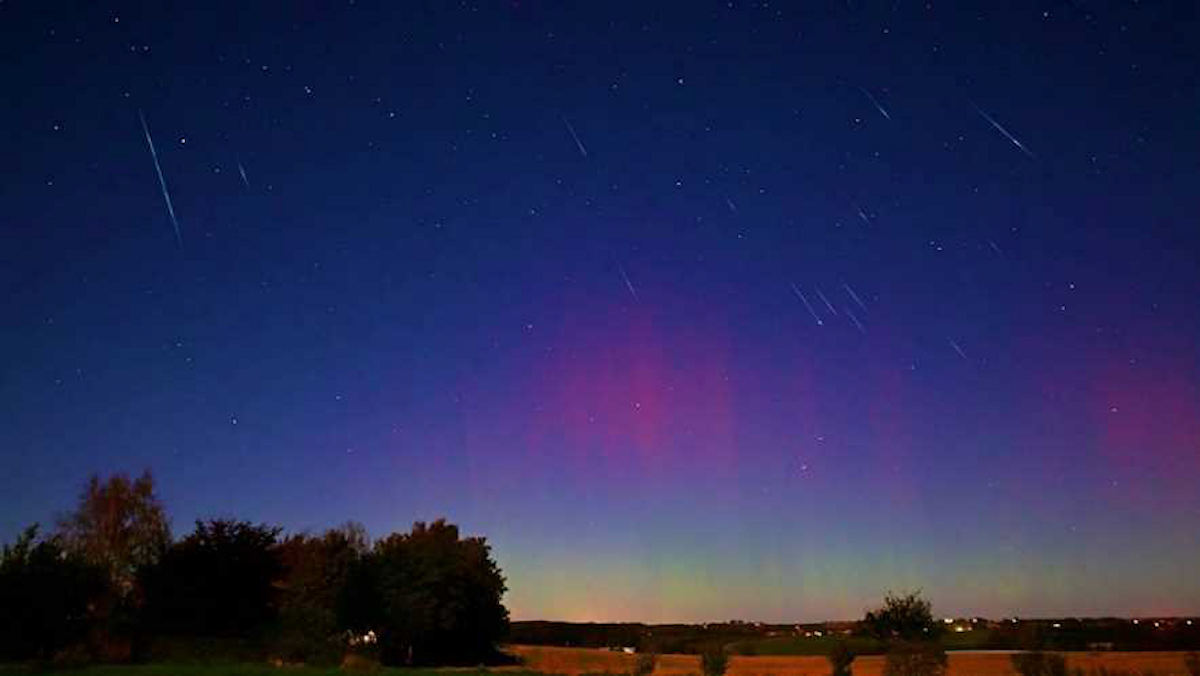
914 658
218 581
439 597
315 573
45 595
840 657
359 608
1039 663
905 623
119 525
906 617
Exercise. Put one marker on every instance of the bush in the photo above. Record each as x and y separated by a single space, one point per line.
644 664
714 662
45 595
1038 663
1192 662
909 658
840 657
360 664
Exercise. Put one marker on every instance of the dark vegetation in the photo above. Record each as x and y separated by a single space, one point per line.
644 664
244 669
905 625
691 639
746 638
714 661
1039 663
840 657
111 585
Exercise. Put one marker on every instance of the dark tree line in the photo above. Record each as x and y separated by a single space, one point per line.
111 584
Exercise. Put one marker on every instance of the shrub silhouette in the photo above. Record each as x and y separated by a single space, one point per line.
914 658
644 664
44 597
840 658
714 662
1191 662
1039 663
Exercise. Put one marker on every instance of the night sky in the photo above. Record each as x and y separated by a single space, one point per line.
697 311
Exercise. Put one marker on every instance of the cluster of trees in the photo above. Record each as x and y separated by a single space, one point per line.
112 584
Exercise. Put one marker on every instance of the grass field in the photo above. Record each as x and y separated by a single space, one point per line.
247 669
820 646
574 661
542 660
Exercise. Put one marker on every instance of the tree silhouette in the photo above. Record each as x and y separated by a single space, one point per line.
315 573
119 525
218 581
439 597
907 617
905 622
45 595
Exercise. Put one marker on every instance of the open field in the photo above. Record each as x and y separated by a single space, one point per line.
542 660
243 669
574 661
820 646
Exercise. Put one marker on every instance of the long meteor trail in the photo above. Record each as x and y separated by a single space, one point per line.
854 296
628 284
875 102
578 143
1002 130
811 311
162 182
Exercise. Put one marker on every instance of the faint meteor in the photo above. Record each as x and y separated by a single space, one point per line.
862 214
825 301
628 284
162 182
857 324
731 205
882 111
854 296
1003 131
578 143
242 171
803 299
957 349
995 248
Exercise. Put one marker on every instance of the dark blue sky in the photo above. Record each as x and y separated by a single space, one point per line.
696 310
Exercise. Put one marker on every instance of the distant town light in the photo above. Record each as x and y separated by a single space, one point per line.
1056 625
